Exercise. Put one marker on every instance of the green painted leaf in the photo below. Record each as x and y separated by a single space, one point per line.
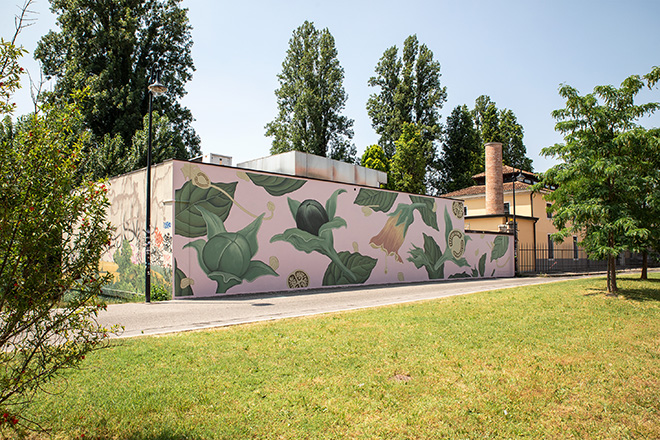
303 241
378 200
430 258
448 225
198 245
331 203
431 249
188 220
258 269
214 225
461 262
179 276
418 257
225 280
276 185
293 206
482 265
334 223
436 273
475 273
429 217
460 275
500 247
405 215
360 265
250 234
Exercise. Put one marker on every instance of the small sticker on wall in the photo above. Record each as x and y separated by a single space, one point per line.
298 279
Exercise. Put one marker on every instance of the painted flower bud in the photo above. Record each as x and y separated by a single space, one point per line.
229 252
201 180
311 216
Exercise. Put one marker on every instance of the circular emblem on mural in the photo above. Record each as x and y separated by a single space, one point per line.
297 280
456 242
457 207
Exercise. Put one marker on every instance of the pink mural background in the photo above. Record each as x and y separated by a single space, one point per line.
343 235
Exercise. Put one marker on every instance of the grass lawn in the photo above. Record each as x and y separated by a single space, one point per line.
553 361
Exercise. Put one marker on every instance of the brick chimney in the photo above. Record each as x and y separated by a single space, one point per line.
494 179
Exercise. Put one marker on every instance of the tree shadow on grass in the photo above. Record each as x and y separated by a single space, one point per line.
633 289
641 290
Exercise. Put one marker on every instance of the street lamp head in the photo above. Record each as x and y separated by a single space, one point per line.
156 88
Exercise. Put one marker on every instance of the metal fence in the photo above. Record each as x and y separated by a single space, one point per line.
544 260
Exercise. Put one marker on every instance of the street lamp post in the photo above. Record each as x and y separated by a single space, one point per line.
155 89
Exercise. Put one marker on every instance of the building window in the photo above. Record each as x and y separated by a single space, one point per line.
507 210
575 248
548 206
464 211
551 248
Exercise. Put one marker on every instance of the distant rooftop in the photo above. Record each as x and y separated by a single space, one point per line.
297 163
481 189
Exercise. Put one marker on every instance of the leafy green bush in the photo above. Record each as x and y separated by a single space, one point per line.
53 230
160 293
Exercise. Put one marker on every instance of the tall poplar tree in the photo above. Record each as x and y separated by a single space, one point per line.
111 47
410 92
462 153
310 99
407 169
495 125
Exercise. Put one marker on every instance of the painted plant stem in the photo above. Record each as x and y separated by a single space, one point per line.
270 205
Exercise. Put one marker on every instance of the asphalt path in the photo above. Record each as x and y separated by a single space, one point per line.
195 314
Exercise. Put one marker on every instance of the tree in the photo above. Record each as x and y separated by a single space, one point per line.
487 120
644 191
407 167
374 158
410 92
112 46
310 99
52 234
462 153
495 125
602 179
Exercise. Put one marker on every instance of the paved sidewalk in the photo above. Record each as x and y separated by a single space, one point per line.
184 315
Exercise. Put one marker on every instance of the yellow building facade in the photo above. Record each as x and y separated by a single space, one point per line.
502 193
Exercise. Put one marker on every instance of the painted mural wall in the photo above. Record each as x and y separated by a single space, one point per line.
127 213
239 231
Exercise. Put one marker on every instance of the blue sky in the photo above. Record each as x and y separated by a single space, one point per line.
517 52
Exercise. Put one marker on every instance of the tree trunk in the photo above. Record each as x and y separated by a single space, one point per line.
645 265
612 288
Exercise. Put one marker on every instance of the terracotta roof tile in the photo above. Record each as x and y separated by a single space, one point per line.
481 189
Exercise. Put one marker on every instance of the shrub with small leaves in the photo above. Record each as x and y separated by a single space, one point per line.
160 293
53 230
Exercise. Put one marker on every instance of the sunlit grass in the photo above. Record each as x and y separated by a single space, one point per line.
560 360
